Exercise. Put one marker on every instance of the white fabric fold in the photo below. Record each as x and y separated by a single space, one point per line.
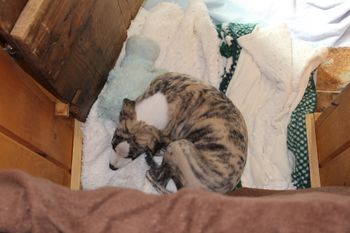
270 79
187 39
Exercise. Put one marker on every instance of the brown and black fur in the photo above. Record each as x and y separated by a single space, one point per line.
205 140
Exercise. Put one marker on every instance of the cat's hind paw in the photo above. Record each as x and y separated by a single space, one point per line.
155 184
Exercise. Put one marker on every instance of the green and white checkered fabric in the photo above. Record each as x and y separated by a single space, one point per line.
297 139
229 47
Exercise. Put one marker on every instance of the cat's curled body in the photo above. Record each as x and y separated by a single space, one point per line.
204 135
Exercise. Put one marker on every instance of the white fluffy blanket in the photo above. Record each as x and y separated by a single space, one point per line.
189 44
188 40
270 79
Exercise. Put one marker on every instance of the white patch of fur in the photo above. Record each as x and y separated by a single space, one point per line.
122 149
153 111
118 159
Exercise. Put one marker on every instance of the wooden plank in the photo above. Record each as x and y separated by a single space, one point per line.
77 156
312 150
61 109
336 172
63 43
9 12
16 156
333 128
27 115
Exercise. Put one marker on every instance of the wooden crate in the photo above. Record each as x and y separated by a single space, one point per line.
60 44
32 137
68 47
329 130
329 143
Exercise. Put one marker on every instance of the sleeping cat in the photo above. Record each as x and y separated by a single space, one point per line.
202 134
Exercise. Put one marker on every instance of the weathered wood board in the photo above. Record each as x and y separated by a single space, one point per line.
336 172
333 141
27 115
71 46
77 157
312 149
333 128
17 156
9 13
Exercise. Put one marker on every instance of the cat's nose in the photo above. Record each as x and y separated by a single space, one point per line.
113 167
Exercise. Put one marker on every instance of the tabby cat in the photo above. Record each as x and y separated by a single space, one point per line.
202 134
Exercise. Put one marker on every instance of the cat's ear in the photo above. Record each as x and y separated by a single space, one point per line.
128 109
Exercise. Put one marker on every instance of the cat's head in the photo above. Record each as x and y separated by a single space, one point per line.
131 137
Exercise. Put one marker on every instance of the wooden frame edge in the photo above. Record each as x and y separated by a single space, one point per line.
76 157
27 18
312 149
15 155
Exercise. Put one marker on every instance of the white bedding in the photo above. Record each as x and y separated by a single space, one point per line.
196 53
318 22
189 44
270 79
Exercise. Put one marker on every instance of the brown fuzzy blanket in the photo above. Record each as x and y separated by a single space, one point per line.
29 204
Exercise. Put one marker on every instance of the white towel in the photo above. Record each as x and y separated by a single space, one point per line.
270 79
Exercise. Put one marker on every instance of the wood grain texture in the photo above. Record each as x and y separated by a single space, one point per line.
336 172
75 183
9 12
16 156
27 115
333 128
312 150
72 45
